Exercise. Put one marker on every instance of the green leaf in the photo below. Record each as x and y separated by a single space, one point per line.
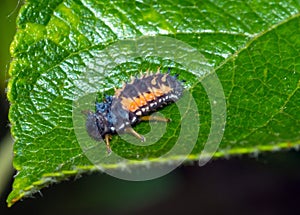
61 47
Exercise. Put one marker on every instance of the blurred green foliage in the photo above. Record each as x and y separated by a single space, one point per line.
8 13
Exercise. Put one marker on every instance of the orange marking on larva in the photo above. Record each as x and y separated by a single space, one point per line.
157 92
149 96
153 82
165 89
140 101
118 92
129 104
133 107
164 78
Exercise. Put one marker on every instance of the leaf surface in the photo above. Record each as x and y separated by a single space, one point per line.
252 48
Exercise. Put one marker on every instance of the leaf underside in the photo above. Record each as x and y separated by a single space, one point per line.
253 48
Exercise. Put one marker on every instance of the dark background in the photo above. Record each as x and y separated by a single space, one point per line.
265 184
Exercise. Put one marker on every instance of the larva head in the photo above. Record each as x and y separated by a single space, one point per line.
96 125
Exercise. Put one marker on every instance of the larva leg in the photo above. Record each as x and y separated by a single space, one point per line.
134 133
154 118
107 138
